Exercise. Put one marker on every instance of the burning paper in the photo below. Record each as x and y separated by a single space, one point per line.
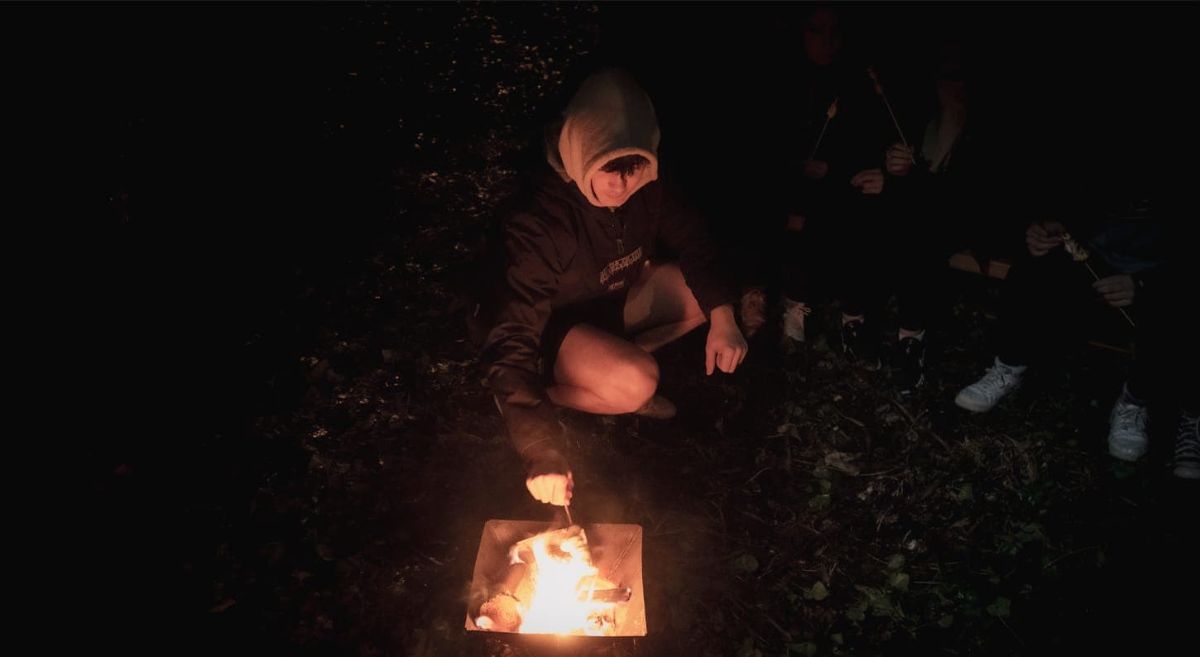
552 582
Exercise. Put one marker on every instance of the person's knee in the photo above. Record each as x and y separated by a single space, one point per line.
693 316
633 382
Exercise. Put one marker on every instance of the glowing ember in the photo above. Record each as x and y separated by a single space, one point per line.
550 589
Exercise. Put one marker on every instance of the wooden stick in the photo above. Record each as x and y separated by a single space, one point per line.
1096 277
879 90
829 114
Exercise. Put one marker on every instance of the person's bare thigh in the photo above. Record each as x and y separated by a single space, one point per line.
599 361
660 297
661 307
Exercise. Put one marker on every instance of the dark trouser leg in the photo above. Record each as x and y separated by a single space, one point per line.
1166 357
1042 303
860 248
927 234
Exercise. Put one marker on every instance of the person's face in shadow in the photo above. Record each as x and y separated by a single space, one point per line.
611 187
822 37
952 94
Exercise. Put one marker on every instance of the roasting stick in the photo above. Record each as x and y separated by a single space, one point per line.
879 90
1080 254
829 114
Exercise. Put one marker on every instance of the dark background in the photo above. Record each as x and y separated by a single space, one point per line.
242 161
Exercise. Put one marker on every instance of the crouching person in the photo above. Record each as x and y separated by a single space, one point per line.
580 296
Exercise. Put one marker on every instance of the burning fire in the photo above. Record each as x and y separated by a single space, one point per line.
551 588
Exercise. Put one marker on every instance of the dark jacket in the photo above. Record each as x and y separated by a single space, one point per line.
557 249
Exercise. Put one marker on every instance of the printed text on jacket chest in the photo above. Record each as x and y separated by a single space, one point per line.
618 267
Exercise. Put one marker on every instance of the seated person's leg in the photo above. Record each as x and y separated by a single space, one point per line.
925 236
919 292
598 372
862 240
1177 364
660 307
860 252
1187 435
1128 438
1043 301
920 278
1042 298
798 265
1159 349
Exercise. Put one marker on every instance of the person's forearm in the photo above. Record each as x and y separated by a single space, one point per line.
722 314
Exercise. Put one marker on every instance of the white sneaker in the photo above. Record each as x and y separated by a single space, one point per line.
794 313
1127 438
983 395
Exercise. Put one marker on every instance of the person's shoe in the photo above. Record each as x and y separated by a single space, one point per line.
658 408
983 395
794 313
909 364
859 345
1187 447
1127 439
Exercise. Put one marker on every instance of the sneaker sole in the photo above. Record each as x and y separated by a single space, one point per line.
1125 454
967 405
1187 472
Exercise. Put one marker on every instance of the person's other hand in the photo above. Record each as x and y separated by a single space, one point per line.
869 180
1117 291
899 159
815 169
726 347
1042 236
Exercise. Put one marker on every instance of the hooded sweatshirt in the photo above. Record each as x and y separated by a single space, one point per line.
609 117
560 247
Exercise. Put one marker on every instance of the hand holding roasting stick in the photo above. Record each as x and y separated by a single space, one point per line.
829 114
1080 254
879 90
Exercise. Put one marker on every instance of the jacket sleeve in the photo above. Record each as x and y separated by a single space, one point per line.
683 232
511 349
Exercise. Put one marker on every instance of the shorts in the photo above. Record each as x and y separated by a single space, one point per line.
606 313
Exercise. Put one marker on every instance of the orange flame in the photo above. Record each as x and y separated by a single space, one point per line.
557 597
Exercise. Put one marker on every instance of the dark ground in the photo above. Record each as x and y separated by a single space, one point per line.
302 455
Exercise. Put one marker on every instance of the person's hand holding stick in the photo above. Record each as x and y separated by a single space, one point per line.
1117 290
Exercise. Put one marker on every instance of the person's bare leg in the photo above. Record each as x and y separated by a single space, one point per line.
597 372
661 307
